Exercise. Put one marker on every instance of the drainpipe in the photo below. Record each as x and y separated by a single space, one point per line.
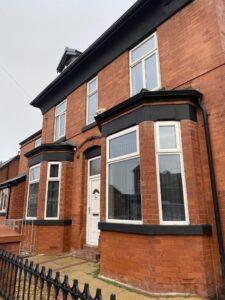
8 204
214 188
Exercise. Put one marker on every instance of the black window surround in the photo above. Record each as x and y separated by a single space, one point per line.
138 109
51 152
48 222
195 230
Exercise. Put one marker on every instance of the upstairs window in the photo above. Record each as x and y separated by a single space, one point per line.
123 179
53 190
34 178
92 100
60 120
170 171
4 195
37 143
144 66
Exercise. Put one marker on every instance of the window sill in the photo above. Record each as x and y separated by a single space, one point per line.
90 126
48 222
2 213
202 229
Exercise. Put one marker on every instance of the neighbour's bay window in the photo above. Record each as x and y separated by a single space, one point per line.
123 177
60 120
170 171
53 190
92 100
144 66
32 201
4 196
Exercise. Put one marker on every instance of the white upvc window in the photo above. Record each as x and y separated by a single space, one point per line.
172 194
144 66
33 188
60 120
92 100
4 197
37 142
53 191
123 177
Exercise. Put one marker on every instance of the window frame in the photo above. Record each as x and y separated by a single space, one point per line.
37 142
117 160
163 152
28 192
46 189
6 201
142 60
56 115
88 95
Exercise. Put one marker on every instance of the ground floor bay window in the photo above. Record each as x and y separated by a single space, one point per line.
123 177
53 190
32 201
4 195
170 172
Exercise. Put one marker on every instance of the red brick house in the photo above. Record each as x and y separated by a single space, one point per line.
131 157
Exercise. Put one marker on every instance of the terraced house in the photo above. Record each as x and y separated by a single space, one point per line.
131 156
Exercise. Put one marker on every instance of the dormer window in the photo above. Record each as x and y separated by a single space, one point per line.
144 66
60 120
92 100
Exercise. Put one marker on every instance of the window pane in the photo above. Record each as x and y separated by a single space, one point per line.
145 48
171 188
137 79
32 200
92 107
54 171
60 108
151 73
35 173
52 199
124 192
92 86
62 125
57 125
95 167
167 137
123 145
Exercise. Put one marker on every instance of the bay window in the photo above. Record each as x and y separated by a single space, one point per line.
4 196
53 190
123 177
144 66
170 172
60 120
92 100
34 178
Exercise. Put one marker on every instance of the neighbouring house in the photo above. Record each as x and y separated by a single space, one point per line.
130 159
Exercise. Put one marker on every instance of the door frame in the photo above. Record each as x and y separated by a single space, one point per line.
88 198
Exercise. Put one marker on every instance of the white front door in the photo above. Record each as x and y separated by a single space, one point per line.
93 203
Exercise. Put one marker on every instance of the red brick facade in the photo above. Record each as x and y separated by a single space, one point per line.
191 48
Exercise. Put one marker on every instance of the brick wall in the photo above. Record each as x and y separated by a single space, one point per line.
17 201
10 170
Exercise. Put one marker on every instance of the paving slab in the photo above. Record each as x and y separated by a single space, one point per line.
87 272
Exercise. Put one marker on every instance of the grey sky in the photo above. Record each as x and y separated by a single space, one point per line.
33 35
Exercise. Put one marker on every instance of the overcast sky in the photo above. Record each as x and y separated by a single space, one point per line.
33 36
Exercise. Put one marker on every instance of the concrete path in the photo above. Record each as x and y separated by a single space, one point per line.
87 272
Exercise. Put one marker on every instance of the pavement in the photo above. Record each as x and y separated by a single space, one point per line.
87 272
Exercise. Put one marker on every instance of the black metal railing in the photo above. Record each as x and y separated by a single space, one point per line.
21 279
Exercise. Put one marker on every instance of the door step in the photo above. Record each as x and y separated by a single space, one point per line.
88 253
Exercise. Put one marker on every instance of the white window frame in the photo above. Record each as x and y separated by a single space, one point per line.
30 182
6 200
89 95
46 190
178 150
56 115
37 142
120 159
143 59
